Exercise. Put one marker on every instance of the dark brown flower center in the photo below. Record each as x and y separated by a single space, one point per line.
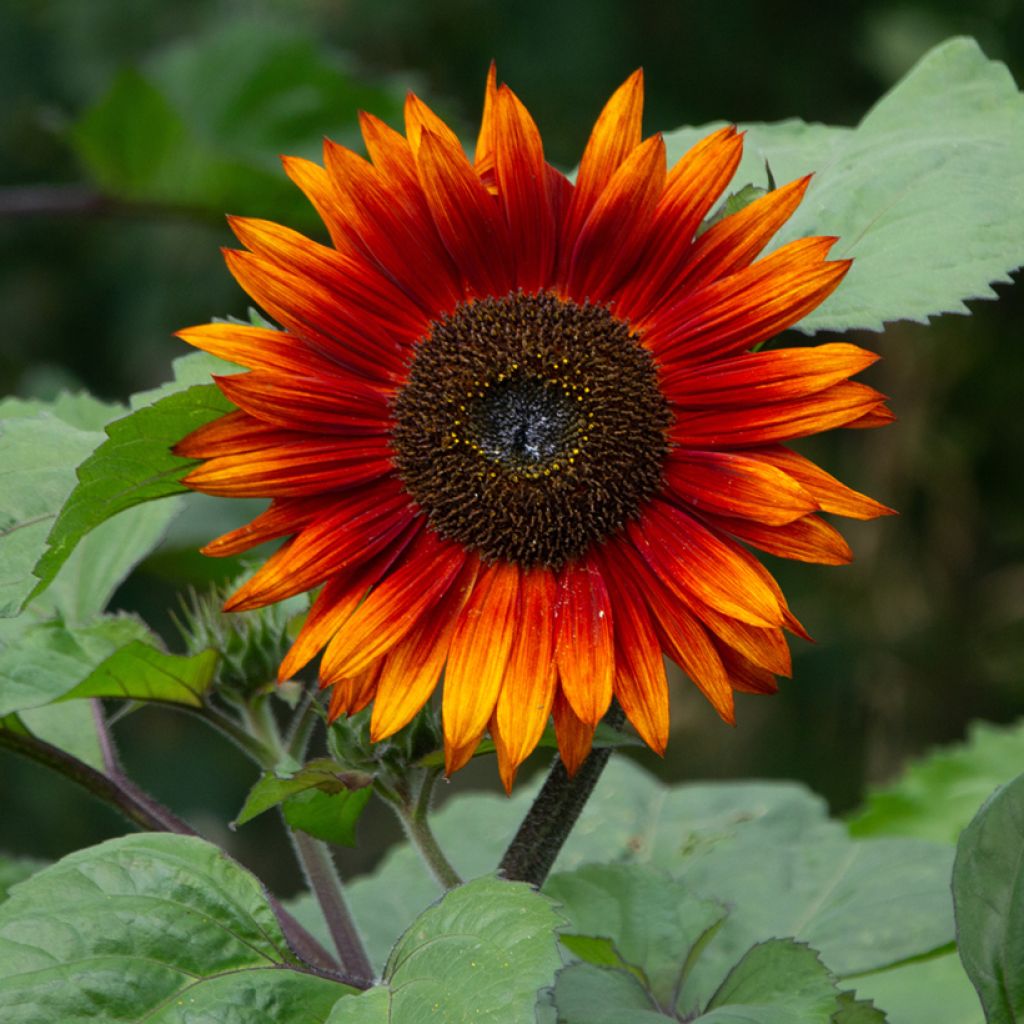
530 427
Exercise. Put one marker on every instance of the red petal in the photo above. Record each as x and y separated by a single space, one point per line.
479 655
693 560
575 737
736 485
285 516
233 434
809 539
585 646
258 348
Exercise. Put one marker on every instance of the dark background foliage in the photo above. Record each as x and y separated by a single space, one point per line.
126 129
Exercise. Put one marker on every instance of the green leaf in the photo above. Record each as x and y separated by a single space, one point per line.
586 994
482 953
370 1007
134 465
949 137
653 922
139 671
331 817
38 456
852 1010
322 774
988 891
924 992
70 727
937 796
160 928
79 409
14 870
776 982
42 662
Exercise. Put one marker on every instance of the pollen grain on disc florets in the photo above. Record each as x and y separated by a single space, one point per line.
530 427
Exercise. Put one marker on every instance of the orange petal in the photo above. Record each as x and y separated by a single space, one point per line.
284 516
836 406
740 311
613 236
394 606
746 676
313 180
523 190
350 696
413 666
827 491
336 602
420 119
691 559
679 633
735 241
809 539
759 377
467 217
615 135
233 434
691 189
487 140
640 683
353 531
736 485
479 654
258 348
524 702
585 647
575 737
765 647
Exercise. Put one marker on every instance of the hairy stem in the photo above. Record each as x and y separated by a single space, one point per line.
553 815
414 815
322 876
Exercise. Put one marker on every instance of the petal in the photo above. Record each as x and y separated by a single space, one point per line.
523 191
827 491
487 140
524 702
736 485
394 606
413 666
350 696
614 234
691 189
575 737
479 656
234 434
353 531
336 602
585 648
746 676
329 405
466 215
735 241
679 633
292 469
420 119
640 683
739 312
765 647
258 348
615 135
836 406
285 516
809 539
758 377
693 560
316 185
399 236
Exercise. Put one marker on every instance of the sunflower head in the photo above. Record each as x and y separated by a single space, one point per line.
520 430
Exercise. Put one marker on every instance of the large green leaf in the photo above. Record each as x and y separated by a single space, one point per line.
156 928
586 994
926 193
988 889
936 797
14 870
69 727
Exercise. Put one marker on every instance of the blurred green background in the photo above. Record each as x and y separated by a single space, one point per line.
128 129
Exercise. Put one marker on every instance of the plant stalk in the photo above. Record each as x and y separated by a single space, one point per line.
554 813
324 883
414 815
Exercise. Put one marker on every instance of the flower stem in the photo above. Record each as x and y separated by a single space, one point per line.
414 815
324 883
554 812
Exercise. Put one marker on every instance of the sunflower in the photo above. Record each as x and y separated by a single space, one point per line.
518 430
